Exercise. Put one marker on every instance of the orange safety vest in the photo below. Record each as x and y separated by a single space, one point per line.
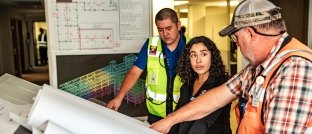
251 123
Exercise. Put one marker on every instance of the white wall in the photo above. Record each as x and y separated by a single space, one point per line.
157 5
215 21
196 17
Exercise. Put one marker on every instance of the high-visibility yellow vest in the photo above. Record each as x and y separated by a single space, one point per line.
162 95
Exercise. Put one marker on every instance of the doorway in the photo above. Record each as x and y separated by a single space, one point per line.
39 73
39 28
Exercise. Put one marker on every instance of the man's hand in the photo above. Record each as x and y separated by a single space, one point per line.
114 104
162 126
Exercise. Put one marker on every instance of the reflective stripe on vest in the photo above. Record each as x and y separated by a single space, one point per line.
251 122
156 80
161 97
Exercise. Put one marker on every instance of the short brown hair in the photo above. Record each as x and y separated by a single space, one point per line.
166 13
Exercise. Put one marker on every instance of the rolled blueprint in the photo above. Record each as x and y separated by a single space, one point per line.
81 116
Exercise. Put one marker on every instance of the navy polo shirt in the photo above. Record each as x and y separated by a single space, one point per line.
171 56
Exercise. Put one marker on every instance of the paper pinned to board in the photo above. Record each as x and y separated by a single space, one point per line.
78 115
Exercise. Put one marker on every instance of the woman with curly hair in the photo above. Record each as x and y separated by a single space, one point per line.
201 68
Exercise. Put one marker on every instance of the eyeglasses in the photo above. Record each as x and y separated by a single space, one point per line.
233 38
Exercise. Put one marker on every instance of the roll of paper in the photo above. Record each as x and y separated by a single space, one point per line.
81 116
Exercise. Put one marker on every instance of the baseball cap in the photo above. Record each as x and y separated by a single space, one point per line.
252 13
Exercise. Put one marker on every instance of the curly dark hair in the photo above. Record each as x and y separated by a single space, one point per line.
184 69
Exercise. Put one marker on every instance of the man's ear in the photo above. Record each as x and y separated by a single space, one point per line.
179 25
251 33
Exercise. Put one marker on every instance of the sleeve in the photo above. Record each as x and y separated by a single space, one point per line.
203 125
239 82
289 100
141 60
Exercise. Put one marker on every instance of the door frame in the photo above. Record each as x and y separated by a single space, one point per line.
17 44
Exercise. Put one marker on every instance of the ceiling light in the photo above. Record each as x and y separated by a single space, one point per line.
177 3
222 4
232 3
183 10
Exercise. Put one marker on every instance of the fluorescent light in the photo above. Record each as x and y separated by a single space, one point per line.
177 3
232 3
185 10
222 4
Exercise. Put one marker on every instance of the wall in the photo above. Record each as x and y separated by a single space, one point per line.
7 60
1 44
6 46
157 5
215 22
196 19
295 13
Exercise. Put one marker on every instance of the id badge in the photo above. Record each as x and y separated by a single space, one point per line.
255 101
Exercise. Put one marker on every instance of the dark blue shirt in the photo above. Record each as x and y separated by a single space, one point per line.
171 56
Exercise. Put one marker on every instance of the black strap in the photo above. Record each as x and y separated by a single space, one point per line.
285 42
170 81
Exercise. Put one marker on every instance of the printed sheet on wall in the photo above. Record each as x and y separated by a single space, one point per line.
78 27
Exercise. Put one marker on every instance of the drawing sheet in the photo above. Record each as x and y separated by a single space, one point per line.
97 26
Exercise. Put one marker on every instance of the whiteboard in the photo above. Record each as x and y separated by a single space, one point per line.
97 26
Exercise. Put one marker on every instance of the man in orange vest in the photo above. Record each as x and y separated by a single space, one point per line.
274 90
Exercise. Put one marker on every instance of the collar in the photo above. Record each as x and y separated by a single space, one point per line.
274 51
181 44
203 88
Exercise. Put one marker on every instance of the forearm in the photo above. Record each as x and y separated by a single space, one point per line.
203 105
